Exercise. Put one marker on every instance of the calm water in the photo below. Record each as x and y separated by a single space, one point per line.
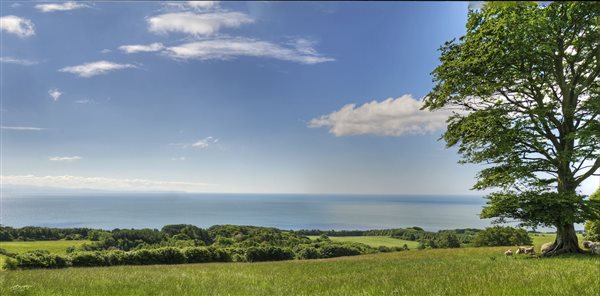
277 210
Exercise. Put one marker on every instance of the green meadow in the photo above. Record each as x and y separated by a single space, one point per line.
373 241
463 271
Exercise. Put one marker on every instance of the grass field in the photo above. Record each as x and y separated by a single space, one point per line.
464 271
467 271
55 247
374 241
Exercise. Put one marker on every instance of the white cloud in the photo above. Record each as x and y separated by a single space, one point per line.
193 5
197 24
21 27
200 144
391 117
103 183
65 158
178 158
65 6
87 101
106 50
55 94
230 48
204 143
17 61
135 48
95 68
22 128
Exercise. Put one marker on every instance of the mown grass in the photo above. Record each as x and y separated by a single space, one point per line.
55 247
465 271
373 241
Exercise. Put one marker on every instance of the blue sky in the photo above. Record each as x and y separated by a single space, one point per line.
292 97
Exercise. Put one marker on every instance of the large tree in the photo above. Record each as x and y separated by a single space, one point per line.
525 82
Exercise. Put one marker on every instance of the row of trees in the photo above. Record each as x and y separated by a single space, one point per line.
175 255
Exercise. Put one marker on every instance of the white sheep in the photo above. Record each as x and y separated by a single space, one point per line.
586 244
547 247
530 251
508 253
520 250
595 247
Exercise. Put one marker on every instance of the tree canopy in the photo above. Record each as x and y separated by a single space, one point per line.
524 81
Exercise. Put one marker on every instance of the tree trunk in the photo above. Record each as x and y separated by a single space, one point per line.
566 241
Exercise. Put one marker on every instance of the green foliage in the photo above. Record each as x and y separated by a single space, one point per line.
308 252
268 253
592 227
525 79
39 259
197 254
88 259
502 236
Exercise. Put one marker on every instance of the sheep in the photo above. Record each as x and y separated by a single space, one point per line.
520 250
595 247
547 247
530 251
508 253
586 244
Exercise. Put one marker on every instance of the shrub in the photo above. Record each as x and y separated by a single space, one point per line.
115 257
10 264
502 236
88 259
592 227
39 259
221 255
141 257
447 240
338 250
268 253
309 253
197 255
169 255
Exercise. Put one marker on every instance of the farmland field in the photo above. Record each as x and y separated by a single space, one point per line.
464 271
374 241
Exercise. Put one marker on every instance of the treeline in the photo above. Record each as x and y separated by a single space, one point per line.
176 244
32 233
397 232
427 239
174 255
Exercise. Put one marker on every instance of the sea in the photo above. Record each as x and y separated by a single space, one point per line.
284 211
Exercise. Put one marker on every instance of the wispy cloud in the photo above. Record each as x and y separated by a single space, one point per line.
200 144
95 68
65 158
65 6
196 24
204 143
87 101
192 5
230 48
391 117
55 94
182 158
103 183
21 27
22 128
135 48
17 61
